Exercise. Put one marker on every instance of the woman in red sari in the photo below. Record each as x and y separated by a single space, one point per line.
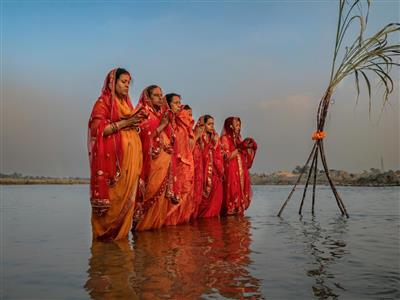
198 165
208 159
156 189
238 157
115 155
182 123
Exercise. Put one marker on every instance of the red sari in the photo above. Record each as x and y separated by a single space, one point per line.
115 164
211 163
198 175
183 169
237 186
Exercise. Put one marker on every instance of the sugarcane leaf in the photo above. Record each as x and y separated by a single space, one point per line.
357 81
369 90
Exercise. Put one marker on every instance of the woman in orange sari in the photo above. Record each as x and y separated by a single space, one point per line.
209 148
115 155
238 156
182 124
156 188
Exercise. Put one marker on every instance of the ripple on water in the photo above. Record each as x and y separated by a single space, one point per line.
48 252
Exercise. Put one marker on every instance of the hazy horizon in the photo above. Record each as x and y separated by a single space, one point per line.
267 62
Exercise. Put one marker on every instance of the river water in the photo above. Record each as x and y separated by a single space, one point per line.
47 251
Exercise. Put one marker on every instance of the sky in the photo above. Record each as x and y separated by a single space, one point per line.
265 61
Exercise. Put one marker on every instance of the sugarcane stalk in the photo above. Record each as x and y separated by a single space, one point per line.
298 180
315 181
373 54
308 179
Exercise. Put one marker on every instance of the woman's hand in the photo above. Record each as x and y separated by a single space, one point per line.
164 122
198 132
216 137
234 154
133 121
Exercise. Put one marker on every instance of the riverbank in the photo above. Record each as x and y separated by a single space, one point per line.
374 177
28 180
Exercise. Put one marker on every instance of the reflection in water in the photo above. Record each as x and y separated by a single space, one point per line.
325 245
325 249
207 259
111 270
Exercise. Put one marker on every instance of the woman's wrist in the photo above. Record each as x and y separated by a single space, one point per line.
120 124
159 129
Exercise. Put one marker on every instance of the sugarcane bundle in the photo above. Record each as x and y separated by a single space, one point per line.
365 57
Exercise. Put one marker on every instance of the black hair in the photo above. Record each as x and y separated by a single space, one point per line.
150 88
187 107
206 117
119 72
170 96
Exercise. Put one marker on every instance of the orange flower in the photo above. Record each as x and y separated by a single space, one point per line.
318 135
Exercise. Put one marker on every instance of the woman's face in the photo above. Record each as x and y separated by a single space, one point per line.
122 85
236 126
175 104
209 126
156 97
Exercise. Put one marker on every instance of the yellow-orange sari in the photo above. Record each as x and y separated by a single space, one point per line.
116 222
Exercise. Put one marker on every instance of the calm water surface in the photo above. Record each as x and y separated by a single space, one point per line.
47 252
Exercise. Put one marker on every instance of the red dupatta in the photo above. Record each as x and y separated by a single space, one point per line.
247 147
237 186
105 153
213 172
212 162
148 134
199 171
183 131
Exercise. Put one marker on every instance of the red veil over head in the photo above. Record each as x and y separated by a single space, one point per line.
229 130
145 101
248 146
148 128
105 153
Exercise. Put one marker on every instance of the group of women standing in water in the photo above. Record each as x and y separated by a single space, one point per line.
151 166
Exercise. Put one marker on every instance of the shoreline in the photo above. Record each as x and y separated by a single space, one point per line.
35 181
372 178
56 181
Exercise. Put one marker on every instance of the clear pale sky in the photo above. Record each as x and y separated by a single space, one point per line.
265 61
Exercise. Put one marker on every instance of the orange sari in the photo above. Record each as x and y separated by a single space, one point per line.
152 206
184 170
113 205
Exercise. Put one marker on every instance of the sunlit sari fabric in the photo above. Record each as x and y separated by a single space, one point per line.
183 170
152 203
115 164
237 186
212 173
